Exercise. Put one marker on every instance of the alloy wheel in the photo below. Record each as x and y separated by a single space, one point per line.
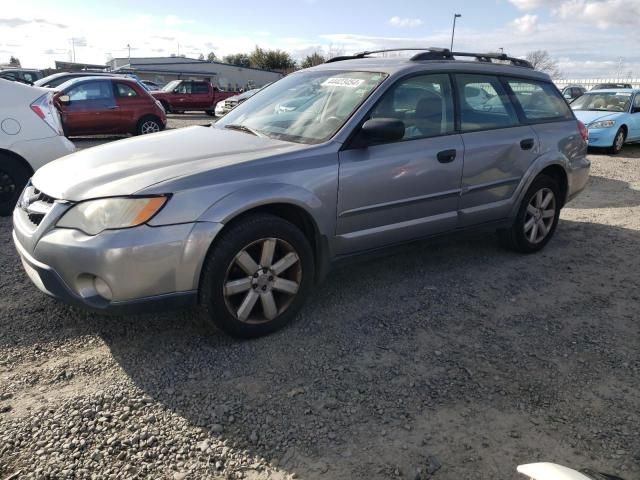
149 127
540 215
619 141
262 280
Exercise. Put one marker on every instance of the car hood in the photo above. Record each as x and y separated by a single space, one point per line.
590 116
127 166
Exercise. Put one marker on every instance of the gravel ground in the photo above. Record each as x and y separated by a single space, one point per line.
453 359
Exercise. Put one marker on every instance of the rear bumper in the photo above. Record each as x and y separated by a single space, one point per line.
41 151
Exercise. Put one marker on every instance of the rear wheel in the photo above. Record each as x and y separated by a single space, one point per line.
256 276
537 217
13 178
618 141
148 125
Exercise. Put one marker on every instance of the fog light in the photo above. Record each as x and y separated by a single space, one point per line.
102 288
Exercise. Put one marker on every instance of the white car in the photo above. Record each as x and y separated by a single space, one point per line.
30 136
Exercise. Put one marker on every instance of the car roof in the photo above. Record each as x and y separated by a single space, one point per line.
401 65
615 90
82 79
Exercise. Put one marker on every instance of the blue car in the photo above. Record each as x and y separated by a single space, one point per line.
612 117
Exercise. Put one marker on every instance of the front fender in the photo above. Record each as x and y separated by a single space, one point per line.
254 196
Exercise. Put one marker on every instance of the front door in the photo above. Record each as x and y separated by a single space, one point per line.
393 192
634 122
182 99
90 109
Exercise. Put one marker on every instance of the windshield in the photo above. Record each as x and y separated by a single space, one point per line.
170 87
603 101
306 107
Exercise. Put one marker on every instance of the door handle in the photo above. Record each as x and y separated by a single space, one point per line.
527 144
447 156
112 107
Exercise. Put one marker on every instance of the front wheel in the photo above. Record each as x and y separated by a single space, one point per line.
618 142
148 125
256 276
537 217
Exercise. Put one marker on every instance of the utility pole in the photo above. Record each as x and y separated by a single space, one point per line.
129 48
73 49
453 31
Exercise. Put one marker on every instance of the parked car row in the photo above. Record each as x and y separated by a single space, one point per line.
246 216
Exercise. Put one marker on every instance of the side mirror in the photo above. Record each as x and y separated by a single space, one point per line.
64 99
381 130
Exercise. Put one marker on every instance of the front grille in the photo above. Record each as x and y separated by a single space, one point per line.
36 204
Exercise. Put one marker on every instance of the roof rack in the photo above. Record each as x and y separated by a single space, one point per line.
441 54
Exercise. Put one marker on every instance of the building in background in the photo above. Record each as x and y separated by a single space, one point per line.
162 70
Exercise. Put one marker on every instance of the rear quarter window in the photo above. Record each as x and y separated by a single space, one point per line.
539 101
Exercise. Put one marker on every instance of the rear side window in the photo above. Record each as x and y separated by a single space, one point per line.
540 101
200 88
124 90
484 103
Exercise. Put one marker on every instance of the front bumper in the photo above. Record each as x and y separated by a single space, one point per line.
602 137
145 268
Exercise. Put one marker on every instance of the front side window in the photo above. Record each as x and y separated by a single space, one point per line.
603 101
484 104
29 77
171 86
423 103
184 88
96 90
123 90
305 107
539 101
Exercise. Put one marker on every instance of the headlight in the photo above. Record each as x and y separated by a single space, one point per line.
603 124
94 216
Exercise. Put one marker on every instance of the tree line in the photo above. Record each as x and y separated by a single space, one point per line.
267 59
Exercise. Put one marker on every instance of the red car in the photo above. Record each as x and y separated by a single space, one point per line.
99 105
180 95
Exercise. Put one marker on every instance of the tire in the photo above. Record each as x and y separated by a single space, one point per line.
14 175
211 113
260 290
618 141
522 237
149 124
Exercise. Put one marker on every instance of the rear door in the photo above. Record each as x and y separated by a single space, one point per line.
398 191
90 109
200 95
498 149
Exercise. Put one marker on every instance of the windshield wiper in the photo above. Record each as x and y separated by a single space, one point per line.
242 128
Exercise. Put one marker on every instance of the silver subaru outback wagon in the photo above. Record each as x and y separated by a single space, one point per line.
245 216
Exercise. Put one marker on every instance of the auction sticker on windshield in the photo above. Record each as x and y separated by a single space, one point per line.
342 82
